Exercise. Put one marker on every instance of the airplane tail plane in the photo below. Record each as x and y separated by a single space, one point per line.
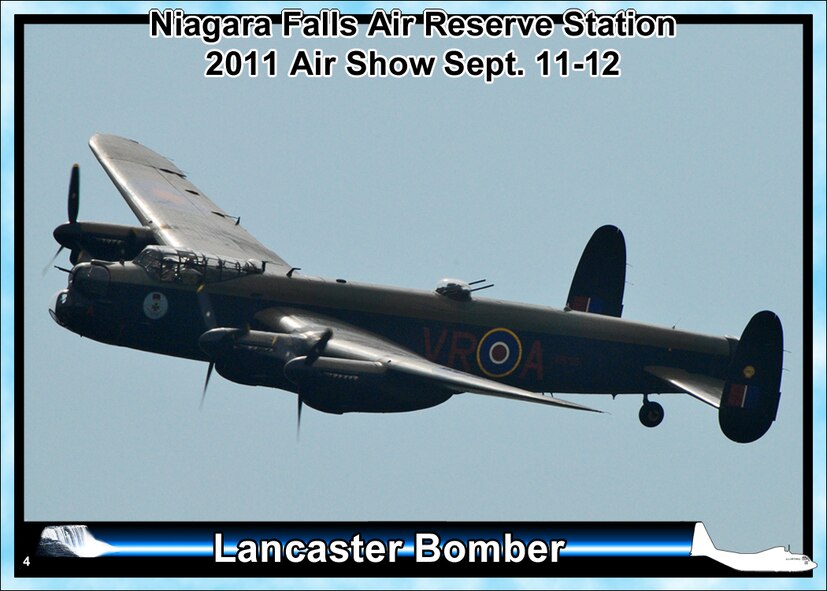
747 398
751 393
600 277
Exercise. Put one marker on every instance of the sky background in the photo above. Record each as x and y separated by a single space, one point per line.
694 153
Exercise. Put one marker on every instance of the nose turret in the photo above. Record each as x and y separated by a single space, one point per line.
71 309
58 301
78 306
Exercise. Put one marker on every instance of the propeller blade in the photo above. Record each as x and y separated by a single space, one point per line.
318 347
206 383
206 307
79 256
299 419
128 245
46 268
74 194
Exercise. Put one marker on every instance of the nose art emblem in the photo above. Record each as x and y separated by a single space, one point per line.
155 305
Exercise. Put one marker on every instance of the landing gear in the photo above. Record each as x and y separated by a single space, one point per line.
651 413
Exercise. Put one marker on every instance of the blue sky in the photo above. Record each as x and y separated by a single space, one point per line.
373 271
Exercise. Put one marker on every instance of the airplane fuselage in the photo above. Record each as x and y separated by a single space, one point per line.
531 347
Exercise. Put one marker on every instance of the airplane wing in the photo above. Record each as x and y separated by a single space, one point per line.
180 215
349 344
704 388
459 381
175 210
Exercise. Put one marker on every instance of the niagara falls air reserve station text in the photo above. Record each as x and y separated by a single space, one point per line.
367 62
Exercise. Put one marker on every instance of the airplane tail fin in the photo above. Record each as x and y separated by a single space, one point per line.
751 394
600 277
701 542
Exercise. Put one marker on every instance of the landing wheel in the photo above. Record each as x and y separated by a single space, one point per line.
651 414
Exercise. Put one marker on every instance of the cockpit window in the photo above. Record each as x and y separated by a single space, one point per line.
170 265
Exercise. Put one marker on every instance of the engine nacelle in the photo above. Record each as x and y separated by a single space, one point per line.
106 242
344 385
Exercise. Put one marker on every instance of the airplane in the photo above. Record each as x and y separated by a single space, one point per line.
191 282
778 559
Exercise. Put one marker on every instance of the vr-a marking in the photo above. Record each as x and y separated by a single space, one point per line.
455 347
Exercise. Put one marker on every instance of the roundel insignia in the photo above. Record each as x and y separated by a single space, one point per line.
749 371
499 352
155 305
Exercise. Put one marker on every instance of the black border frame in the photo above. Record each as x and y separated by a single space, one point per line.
26 532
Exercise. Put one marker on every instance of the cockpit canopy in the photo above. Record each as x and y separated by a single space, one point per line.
173 265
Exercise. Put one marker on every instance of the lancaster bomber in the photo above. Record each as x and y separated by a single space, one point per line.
191 282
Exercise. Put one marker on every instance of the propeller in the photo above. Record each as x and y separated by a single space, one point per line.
74 194
216 339
214 343
318 347
205 305
315 351
51 261
209 321
73 205
299 418
206 383
128 245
